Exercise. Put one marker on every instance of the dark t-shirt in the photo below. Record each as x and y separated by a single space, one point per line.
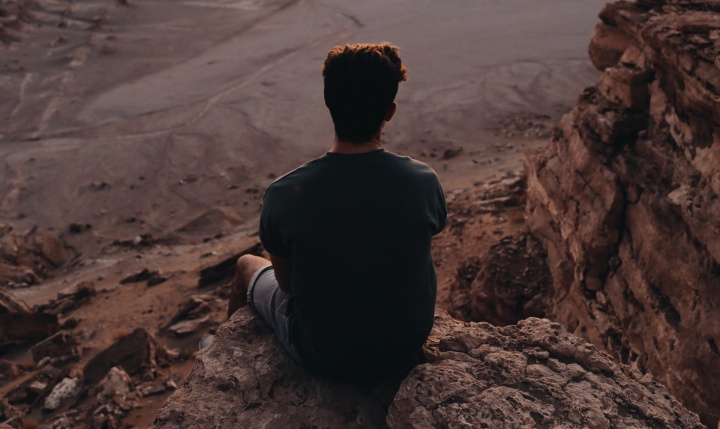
359 229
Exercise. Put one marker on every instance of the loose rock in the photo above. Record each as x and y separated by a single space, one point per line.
138 353
116 383
26 259
63 393
198 312
224 269
63 347
19 324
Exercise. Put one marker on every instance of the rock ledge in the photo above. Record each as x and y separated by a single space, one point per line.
476 375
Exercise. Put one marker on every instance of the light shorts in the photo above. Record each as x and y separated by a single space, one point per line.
271 302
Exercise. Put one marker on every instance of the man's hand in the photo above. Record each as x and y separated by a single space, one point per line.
283 271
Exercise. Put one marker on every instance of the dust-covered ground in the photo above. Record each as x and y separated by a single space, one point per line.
141 134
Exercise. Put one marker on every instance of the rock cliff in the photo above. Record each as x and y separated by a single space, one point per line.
626 198
476 375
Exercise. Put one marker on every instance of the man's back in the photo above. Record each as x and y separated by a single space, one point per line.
350 285
358 228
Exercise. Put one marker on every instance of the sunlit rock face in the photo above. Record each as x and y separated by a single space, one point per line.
626 198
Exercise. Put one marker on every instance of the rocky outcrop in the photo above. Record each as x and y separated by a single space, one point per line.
27 258
244 379
626 198
138 353
62 347
533 373
506 284
19 324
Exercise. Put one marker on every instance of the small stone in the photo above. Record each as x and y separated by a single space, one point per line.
63 392
116 382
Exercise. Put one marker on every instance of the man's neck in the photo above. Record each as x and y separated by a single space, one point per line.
346 147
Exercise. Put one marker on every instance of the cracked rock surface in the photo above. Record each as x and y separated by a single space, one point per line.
533 374
245 379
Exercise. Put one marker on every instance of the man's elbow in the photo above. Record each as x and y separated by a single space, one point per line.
283 267
285 287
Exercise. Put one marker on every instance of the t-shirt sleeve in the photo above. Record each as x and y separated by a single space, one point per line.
440 207
271 235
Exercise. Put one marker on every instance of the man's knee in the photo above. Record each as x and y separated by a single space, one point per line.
247 265
243 262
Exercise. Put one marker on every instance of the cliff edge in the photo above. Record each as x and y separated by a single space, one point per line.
626 198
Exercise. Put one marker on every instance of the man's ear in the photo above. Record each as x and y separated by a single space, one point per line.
390 112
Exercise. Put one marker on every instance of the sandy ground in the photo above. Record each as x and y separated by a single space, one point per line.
180 110
170 118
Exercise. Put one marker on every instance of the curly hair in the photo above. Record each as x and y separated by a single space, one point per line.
361 82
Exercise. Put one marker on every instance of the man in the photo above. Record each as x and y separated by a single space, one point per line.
350 285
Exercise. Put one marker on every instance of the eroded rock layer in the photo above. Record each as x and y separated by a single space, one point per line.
533 374
626 198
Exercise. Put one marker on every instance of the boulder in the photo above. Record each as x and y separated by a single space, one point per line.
27 258
626 200
196 313
245 379
19 324
69 299
9 370
138 353
116 383
63 394
63 346
114 399
534 373
19 328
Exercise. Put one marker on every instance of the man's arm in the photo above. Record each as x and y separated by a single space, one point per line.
441 207
283 271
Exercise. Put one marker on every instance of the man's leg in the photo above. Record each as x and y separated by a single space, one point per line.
266 297
245 268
